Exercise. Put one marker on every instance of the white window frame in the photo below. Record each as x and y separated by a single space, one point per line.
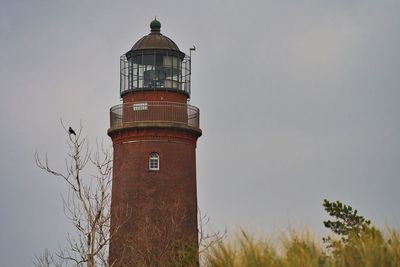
154 161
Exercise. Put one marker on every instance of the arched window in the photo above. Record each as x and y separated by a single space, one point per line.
154 161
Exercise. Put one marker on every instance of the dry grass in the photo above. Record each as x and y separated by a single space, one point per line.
302 250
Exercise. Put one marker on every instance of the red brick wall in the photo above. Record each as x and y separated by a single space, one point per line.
154 96
162 205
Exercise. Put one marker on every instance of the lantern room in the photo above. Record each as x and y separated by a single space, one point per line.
155 63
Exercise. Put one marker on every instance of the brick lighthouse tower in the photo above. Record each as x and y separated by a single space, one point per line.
154 133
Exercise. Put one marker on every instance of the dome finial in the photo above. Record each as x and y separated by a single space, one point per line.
155 25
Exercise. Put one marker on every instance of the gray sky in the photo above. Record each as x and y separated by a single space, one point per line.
299 102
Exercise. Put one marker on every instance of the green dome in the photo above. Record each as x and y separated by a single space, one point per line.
155 25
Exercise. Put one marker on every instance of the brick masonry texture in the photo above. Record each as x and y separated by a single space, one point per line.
155 96
152 211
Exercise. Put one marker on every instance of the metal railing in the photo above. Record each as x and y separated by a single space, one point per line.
154 111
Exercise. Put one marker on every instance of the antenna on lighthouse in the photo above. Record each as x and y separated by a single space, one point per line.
191 49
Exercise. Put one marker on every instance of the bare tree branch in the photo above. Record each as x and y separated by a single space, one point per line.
87 204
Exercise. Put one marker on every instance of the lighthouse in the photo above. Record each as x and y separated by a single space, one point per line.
154 132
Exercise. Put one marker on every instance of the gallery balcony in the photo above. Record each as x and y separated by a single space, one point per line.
154 114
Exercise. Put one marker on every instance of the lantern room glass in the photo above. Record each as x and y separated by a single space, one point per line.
154 71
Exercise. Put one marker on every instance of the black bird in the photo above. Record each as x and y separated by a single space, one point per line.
71 131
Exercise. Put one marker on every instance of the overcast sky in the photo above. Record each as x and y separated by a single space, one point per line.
299 102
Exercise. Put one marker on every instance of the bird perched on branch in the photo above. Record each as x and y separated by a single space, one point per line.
71 131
